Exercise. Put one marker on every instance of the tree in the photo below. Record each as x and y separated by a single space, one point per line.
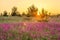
43 13
28 15
14 11
32 11
5 13
46 13
23 14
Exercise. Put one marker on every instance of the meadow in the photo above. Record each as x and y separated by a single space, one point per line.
18 28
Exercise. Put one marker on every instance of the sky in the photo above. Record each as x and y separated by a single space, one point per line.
52 6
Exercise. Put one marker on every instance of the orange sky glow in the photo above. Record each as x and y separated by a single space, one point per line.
52 6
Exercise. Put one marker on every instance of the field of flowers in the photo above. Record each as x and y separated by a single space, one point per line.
30 31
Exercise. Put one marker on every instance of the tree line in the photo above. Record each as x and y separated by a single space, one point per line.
32 11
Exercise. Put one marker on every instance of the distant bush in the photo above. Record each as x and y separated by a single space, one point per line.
5 13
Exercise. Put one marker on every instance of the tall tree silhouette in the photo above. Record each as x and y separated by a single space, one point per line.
14 11
43 13
5 13
32 11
